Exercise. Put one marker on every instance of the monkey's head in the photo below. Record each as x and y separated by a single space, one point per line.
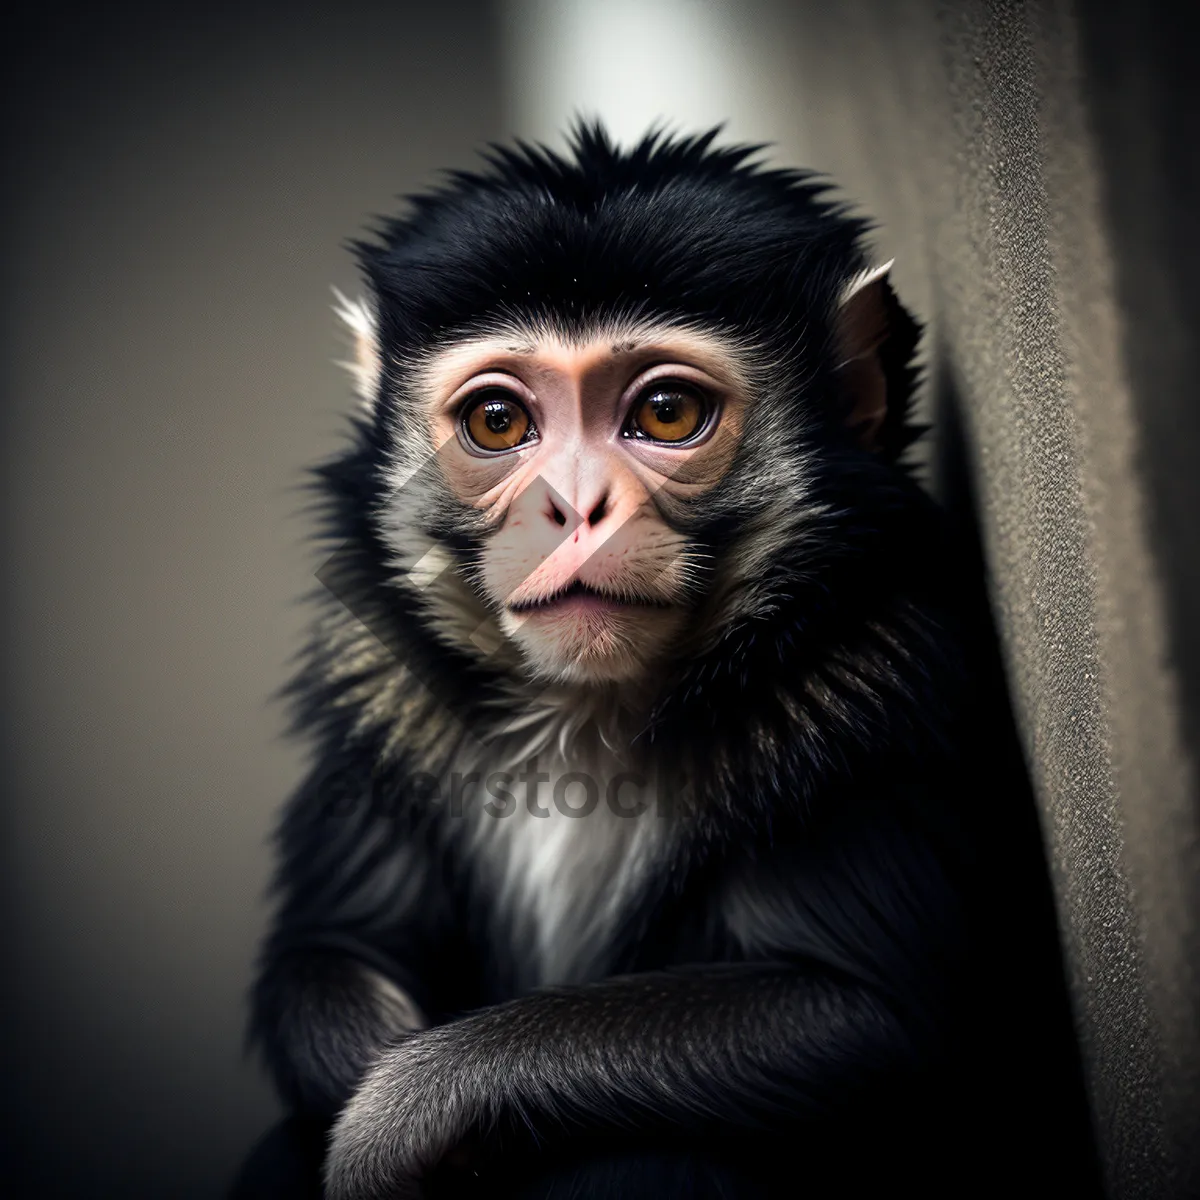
607 394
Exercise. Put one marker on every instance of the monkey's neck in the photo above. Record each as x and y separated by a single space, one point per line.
571 721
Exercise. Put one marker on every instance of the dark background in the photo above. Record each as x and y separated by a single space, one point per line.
180 185
179 188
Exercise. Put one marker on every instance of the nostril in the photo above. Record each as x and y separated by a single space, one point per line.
597 513
557 515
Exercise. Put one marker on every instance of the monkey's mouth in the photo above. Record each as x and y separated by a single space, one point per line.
581 596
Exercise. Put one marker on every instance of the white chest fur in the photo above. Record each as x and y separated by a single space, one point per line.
562 844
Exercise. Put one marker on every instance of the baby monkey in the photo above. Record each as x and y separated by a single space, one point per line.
658 839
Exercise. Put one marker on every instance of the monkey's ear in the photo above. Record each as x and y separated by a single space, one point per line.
366 366
861 327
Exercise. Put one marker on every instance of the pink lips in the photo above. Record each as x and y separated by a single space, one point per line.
583 602
581 598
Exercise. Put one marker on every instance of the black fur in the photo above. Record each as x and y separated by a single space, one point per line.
845 957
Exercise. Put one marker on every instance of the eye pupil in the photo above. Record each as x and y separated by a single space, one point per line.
496 416
665 409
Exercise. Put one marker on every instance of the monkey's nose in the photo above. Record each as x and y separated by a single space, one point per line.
561 513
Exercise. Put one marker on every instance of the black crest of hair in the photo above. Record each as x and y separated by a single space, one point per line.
675 227
845 965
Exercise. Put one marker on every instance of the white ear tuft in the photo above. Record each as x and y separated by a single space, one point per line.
861 326
367 366
864 279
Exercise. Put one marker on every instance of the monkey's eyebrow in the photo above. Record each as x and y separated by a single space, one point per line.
523 348
624 347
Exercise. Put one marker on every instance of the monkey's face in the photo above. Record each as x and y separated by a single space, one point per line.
573 452
607 400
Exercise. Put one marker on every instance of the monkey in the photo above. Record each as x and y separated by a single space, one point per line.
656 838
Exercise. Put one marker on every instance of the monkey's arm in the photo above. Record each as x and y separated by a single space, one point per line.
690 1049
348 964
696 1050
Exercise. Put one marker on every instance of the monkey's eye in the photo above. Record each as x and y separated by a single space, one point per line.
496 420
668 411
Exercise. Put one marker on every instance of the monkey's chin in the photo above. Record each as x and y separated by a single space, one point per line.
573 642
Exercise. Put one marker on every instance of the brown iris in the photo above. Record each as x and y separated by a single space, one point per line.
496 420
668 413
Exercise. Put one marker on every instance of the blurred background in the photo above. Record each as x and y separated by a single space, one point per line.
181 182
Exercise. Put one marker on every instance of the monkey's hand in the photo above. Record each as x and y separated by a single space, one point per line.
692 1050
421 1099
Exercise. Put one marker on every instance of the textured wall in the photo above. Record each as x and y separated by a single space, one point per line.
1035 170
180 183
